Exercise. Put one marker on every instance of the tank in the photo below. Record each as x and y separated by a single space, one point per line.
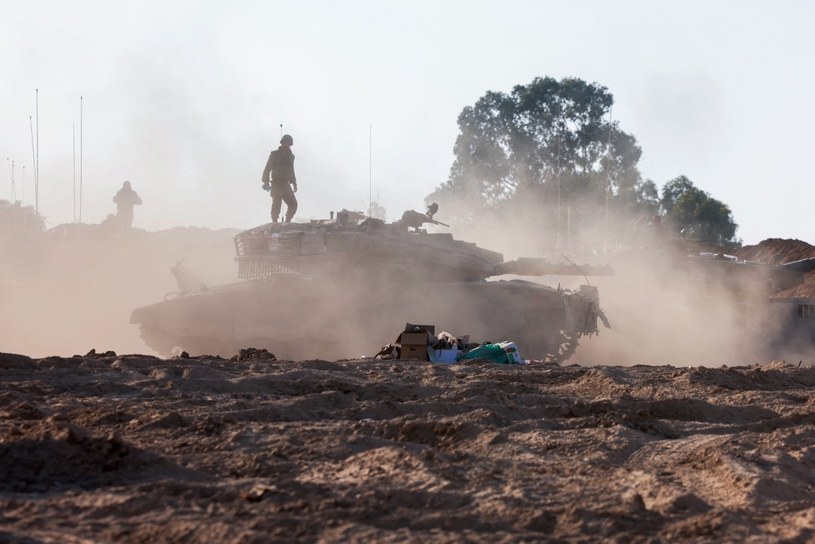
346 286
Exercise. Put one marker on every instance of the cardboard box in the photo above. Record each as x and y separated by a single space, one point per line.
513 357
415 338
414 344
414 351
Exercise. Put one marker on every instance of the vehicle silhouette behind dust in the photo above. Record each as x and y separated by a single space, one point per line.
345 287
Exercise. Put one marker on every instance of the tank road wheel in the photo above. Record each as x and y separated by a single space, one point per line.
550 346
567 346
560 347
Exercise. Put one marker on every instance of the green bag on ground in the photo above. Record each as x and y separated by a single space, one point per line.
488 352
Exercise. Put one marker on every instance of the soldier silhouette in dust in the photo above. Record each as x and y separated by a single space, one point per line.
282 183
125 199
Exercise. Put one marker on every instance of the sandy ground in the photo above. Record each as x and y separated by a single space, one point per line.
139 449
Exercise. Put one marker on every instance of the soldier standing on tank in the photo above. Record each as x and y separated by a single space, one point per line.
125 199
283 183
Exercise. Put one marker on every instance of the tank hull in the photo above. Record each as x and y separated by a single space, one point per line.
345 287
298 318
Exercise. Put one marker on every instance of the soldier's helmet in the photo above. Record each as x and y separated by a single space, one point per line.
286 139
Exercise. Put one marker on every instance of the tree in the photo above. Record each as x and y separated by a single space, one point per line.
545 145
695 214
642 201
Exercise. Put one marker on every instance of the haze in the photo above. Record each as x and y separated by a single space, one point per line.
186 99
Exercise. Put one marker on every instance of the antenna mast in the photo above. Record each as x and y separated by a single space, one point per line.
370 169
557 239
37 158
608 177
34 165
80 159
73 141
11 170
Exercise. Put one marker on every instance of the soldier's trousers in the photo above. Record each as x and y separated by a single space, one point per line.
282 192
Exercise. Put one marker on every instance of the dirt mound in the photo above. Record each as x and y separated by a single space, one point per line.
782 251
767 377
776 251
804 291
46 454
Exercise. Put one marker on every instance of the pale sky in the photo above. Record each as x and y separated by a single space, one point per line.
185 98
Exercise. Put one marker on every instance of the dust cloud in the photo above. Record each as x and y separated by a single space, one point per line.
666 304
72 288
661 317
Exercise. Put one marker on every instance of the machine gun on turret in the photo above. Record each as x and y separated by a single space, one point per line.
415 220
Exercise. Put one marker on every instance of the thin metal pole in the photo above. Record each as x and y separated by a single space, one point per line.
557 240
34 166
37 165
73 140
281 130
11 172
608 177
370 169
80 159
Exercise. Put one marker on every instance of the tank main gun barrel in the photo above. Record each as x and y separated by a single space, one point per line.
751 274
534 266
803 266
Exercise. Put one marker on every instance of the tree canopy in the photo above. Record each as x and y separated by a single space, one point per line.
551 145
694 214
547 144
